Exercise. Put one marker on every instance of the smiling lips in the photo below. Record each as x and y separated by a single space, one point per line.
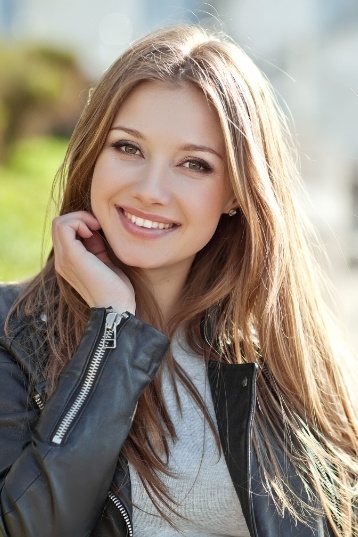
149 224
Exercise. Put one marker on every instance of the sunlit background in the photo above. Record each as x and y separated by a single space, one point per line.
51 51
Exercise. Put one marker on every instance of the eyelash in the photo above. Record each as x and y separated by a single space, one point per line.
205 166
120 145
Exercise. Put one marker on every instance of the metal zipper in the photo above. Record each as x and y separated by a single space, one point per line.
107 341
39 402
123 512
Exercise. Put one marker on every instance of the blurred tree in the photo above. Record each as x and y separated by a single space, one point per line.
42 91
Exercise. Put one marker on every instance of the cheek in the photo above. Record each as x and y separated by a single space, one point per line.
94 193
110 176
101 187
99 199
211 205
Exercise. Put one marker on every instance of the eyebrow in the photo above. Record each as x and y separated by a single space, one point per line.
185 147
133 132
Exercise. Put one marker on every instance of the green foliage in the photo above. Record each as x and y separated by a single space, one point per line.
42 92
25 187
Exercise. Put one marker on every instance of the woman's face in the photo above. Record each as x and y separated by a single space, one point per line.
160 183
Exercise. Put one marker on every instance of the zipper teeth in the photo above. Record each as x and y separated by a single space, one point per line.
123 512
108 341
38 400
81 397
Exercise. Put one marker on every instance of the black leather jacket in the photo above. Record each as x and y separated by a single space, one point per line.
59 465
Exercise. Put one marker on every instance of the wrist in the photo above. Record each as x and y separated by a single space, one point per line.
115 305
123 307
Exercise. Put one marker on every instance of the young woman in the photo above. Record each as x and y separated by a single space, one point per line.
178 224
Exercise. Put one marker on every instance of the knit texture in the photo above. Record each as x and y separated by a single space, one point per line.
202 486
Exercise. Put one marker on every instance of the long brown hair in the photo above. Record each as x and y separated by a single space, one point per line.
256 275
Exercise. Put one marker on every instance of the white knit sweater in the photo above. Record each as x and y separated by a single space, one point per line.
202 487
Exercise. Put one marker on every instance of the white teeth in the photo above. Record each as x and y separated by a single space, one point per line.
147 223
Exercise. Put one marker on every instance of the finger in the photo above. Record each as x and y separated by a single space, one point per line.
73 226
89 219
95 244
66 232
81 221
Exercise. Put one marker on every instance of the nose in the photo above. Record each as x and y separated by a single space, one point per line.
152 185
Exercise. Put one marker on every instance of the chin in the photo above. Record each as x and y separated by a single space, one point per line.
135 262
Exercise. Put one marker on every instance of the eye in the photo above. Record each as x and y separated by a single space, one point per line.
197 165
126 147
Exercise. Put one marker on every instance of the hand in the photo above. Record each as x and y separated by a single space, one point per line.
82 260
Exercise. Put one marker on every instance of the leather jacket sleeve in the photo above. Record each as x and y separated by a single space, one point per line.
56 469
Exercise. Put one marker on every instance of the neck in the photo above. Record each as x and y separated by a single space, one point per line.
167 289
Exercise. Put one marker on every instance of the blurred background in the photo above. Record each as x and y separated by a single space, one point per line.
51 51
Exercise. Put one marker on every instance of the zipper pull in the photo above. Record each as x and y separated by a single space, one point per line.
39 401
113 319
40 394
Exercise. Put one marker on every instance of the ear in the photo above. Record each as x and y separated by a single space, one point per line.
231 205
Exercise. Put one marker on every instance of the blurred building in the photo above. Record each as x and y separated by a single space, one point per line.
7 14
97 31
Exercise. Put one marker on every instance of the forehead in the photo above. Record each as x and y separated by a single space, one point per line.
182 108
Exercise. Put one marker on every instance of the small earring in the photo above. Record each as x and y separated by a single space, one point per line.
232 212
